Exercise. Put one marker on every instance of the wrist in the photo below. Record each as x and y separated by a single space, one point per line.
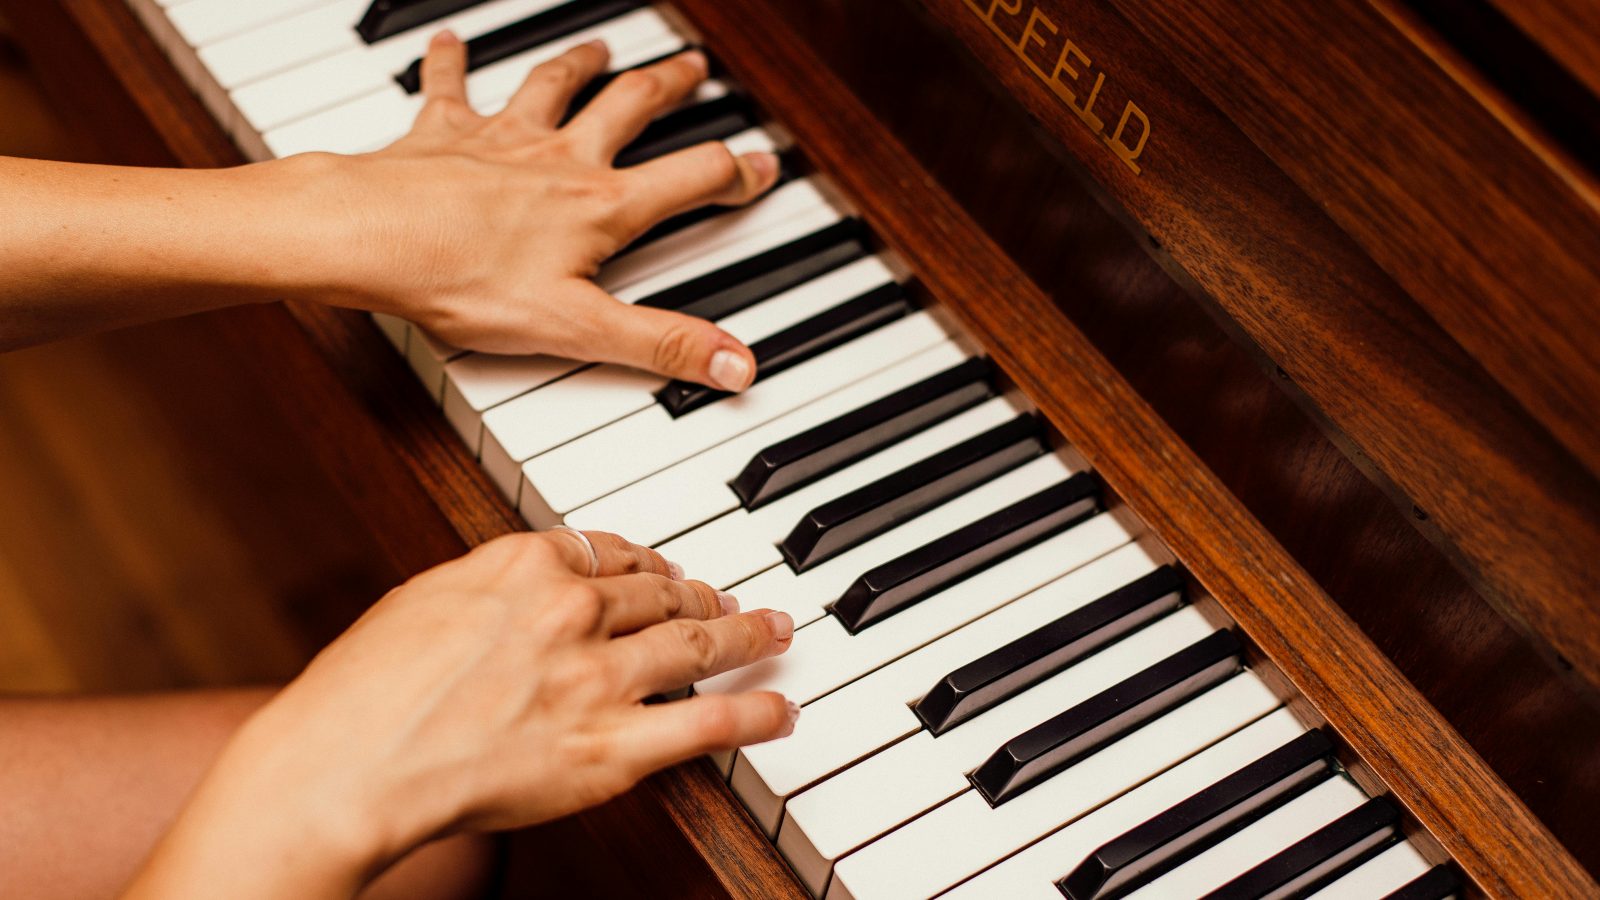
314 245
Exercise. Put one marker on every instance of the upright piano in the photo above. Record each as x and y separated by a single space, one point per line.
1175 436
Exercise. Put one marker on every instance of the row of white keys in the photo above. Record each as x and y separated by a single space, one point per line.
516 430
803 595
1380 876
874 681
650 440
1031 874
695 491
965 835
1257 842
744 543
826 657
377 118
597 396
318 67
204 22
915 775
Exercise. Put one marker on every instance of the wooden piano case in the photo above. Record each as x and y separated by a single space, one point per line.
1314 286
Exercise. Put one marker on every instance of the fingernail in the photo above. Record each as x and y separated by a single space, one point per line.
782 626
730 371
674 570
597 43
698 60
794 716
764 164
730 604
446 38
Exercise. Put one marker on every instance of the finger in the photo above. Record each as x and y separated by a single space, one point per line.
681 652
550 86
600 328
620 112
694 177
663 734
444 69
613 555
635 602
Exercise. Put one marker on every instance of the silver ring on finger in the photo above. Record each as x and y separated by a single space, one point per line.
594 558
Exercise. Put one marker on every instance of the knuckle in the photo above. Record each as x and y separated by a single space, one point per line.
675 349
699 647
720 163
710 606
559 73
638 84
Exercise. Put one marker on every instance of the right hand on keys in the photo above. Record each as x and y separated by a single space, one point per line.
496 691
486 230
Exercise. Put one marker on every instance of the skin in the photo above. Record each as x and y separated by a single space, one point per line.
493 692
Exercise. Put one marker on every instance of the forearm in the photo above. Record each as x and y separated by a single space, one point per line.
85 248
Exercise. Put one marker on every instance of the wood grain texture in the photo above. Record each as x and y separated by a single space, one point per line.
1498 245
1173 346
1500 497
1504 849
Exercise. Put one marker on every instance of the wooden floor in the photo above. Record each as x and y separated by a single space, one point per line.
158 527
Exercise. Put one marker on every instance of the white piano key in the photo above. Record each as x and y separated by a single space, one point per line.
699 239
346 68
1031 874
477 382
650 440
913 776
1257 842
508 441
394 328
804 595
869 707
695 490
963 836
753 140
284 44
1380 876
203 22
382 115
428 356
544 419
741 544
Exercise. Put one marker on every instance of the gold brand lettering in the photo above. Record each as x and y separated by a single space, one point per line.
1069 76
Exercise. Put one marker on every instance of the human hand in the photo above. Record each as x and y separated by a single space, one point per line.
496 691
486 230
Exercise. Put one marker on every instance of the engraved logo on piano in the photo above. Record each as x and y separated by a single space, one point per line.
1063 66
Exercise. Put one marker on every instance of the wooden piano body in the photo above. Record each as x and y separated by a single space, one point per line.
1316 288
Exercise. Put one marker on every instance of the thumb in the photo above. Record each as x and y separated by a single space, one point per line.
669 343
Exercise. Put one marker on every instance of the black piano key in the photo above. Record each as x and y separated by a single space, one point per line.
752 280
1309 864
801 342
832 445
542 28
712 120
901 582
385 18
1188 829
788 170
1062 740
870 510
1004 672
1437 883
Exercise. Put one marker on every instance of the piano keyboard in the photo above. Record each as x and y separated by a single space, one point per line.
1005 691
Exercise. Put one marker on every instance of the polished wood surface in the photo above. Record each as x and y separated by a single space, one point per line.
1400 738
1502 498
1325 456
